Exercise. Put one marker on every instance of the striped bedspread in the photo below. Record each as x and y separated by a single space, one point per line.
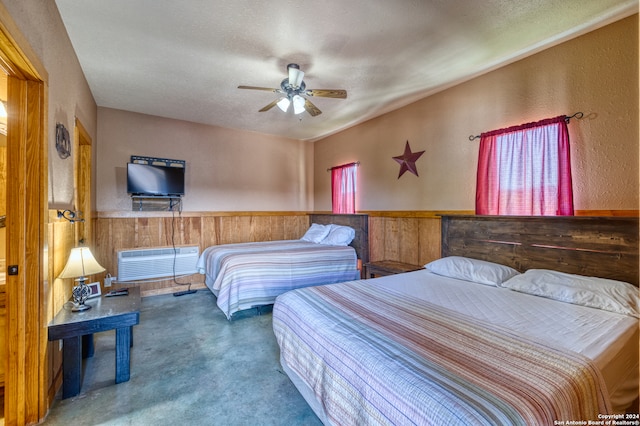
253 274
373 356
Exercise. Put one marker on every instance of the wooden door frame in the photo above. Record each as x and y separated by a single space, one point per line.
27 216
82 179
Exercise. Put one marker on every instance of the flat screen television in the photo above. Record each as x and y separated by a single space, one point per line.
154 181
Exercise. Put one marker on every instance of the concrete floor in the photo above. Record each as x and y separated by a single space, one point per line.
189 366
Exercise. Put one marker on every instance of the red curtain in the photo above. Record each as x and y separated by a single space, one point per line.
343 188
525 170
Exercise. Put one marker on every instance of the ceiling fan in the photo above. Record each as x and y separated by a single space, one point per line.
294 92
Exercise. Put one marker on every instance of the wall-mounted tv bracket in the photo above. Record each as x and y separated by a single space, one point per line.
158 161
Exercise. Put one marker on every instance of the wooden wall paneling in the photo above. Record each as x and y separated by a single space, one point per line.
277 227
228 231
54 360
413 239
260 228
61 239
429 238
242 229
122 233
391 239
409 240
376 239
302 224
291 227
190 234
209 232
149 232
102 242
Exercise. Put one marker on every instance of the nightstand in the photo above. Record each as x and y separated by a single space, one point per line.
387 267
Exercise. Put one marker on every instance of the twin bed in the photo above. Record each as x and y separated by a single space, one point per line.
248 277
469 339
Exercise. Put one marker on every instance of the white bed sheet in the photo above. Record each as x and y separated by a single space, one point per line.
609 339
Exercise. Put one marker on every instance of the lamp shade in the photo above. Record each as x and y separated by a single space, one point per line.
81 263
283 104
298 104
295 77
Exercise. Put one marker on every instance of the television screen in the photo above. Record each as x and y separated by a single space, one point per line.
152 180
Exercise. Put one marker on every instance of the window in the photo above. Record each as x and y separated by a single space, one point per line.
343 188
525 170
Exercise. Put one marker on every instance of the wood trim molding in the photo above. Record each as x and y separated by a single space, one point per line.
372 213
25 348
16 55
133 214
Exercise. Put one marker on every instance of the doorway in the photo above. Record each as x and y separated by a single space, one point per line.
3 232
24 356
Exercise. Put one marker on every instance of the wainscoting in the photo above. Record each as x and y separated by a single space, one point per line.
403 236
113 232
410 237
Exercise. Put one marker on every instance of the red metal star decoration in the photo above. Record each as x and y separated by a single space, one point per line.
408 160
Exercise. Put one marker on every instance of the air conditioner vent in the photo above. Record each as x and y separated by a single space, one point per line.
141 264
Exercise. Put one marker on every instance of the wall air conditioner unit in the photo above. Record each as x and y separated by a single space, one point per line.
142 264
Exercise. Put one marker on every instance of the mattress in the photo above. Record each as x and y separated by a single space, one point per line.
246 275
606 341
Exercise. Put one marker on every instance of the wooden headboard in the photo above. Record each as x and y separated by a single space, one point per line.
605 247
359 222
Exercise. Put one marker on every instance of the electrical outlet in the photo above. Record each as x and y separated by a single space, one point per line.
107 280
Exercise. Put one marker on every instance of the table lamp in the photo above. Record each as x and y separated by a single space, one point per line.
81 263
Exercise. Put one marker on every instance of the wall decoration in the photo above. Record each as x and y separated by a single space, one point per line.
63 141
408 160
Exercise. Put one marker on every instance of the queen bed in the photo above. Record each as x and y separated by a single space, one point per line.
471 341
249 276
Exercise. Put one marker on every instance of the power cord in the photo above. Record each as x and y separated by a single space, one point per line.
175 250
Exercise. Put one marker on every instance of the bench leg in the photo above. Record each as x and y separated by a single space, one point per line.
123 353
71 366
88 348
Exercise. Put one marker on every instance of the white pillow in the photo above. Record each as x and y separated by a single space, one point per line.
339 236
599 293
465 268
316 233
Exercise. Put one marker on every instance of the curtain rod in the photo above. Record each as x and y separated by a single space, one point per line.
577 115
357 163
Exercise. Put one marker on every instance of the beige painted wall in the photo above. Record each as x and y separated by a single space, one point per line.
68 92
596 73
227 170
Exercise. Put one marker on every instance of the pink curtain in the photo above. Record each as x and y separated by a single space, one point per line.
525 170
343 188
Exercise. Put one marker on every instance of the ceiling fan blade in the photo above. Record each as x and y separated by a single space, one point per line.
311 108
271 105
258 88
327 93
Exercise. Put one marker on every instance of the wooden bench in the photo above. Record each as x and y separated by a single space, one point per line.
76 331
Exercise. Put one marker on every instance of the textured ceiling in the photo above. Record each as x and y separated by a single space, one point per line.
185 59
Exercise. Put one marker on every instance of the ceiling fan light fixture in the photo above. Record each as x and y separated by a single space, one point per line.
283 104
298 104
293 90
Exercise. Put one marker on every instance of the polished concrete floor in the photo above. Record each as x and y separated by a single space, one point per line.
189 366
